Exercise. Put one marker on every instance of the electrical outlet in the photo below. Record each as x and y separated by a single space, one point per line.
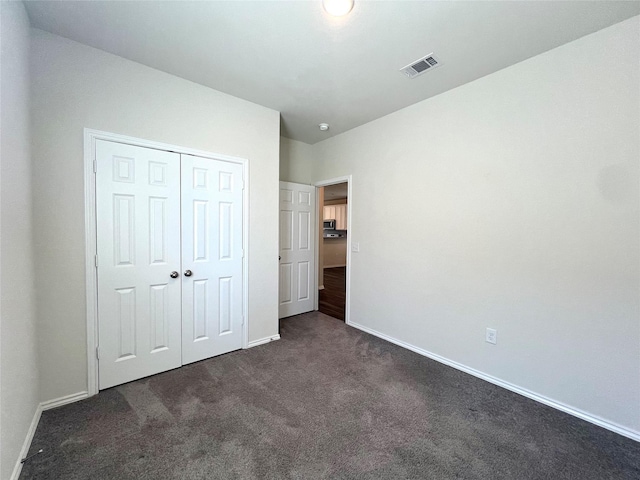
355 247
491 336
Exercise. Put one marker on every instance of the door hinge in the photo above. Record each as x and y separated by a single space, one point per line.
95 166
98 353
96 261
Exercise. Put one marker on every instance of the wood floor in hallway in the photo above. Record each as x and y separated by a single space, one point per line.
332 297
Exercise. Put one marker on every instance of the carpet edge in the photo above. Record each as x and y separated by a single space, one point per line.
576 412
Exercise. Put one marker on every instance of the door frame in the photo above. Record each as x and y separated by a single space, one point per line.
324 183
90 235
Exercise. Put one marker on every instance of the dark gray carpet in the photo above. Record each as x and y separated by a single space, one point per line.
326 401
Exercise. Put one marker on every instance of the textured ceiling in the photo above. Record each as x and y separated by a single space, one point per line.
292 57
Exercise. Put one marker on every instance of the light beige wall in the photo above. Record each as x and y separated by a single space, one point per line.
18 356
335 252
514 205
75 86
296 161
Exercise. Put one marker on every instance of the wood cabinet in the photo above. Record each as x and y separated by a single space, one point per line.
337 213
329 212
341 217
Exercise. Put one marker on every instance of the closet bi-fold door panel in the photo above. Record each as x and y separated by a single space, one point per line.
138 245
211 257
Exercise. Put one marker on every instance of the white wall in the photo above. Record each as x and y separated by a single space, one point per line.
19 376
296 159
514 204
75 86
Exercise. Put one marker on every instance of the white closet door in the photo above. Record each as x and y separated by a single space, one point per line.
138 233
211 257
297 248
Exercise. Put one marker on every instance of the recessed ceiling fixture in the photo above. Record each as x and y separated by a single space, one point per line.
418 67
324 126
337 8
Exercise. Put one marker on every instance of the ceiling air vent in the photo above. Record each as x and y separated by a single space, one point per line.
420 66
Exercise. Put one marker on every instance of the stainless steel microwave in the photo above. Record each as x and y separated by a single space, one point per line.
329 225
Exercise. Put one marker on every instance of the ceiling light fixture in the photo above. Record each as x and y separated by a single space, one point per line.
324 126
337 8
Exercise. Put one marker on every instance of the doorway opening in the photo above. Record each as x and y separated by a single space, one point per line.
334 247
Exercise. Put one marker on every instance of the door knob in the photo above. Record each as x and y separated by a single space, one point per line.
279 257
188 273
174 274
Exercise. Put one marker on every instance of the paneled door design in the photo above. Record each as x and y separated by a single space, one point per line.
297 248
138 231
169 260
211 257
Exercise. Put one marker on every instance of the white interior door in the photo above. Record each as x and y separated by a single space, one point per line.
138 245
212 254
297 248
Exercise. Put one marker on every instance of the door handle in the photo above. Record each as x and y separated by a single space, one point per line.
174 274
279 257
188 273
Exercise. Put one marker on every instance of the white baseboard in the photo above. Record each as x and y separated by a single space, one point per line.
48 405
576 412
334 266
58 402
262 341
27 442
